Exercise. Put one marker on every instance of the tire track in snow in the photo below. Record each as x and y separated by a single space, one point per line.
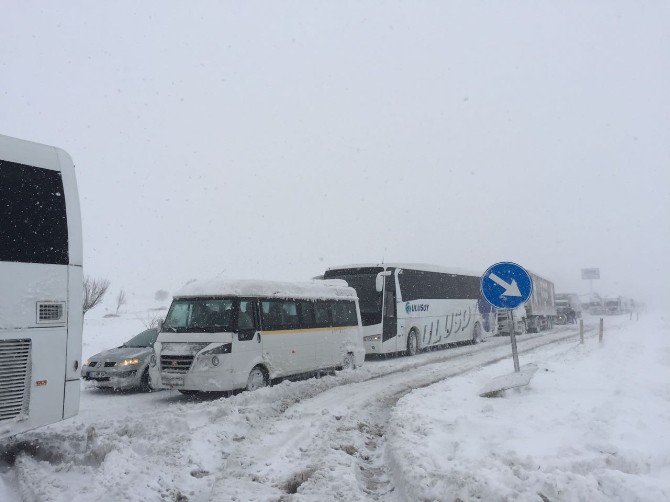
334 442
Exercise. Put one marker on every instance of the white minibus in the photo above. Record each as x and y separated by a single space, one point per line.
40 286
223 336
411 307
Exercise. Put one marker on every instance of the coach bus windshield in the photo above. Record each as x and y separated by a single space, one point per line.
200 315
369 299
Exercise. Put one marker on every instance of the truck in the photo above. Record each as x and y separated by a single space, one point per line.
565 302
538 313
618 305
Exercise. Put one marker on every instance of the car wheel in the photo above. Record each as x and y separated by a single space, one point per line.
412 343
145 381
257 379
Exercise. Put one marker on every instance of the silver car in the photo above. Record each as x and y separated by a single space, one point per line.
124 367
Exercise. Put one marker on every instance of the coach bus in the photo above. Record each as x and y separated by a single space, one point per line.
221 336
411 307
40 286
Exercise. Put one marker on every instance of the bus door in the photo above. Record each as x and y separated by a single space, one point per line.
247 342
389 313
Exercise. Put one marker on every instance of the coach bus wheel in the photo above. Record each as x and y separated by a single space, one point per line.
412 343
477 333
257 379
349 362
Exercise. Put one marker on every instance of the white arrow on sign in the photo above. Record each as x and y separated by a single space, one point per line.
510 289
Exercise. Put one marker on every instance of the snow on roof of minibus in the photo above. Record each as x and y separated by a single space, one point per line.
425 267
330 288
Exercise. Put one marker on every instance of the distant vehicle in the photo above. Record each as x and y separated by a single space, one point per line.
411 307
41 286
224 336
125 367
618 305
539 311
565 302
503 320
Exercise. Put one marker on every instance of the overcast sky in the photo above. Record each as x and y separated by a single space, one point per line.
275 139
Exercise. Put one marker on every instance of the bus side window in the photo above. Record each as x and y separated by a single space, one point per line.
389 302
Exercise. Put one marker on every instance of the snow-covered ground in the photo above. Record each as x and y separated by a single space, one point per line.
594 424
315 439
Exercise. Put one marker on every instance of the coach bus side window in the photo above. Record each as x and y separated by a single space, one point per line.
34 221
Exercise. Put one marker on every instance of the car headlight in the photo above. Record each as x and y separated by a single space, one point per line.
372 338
87 362
130 362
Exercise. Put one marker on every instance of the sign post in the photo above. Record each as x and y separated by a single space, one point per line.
505 286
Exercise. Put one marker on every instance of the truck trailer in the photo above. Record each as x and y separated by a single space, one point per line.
538 313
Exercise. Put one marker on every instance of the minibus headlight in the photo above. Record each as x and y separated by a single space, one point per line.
152 360
372 338
221 349
130 362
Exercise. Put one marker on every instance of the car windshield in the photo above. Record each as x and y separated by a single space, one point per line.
145 339
200 315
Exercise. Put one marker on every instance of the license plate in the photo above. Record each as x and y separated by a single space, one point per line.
98 374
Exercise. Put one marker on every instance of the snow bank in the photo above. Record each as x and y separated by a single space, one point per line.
594 424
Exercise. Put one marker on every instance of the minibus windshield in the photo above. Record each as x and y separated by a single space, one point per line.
199 315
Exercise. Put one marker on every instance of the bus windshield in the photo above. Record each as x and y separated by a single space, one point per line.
369 299
199 315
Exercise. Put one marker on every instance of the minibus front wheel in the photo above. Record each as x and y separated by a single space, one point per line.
258 378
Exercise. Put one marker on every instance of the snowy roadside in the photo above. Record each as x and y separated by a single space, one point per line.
163 446
594 424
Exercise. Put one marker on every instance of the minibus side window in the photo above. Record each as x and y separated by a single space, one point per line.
306 309
246 321
344 313
322 314
280 314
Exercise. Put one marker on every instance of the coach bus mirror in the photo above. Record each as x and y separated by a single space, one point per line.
379 281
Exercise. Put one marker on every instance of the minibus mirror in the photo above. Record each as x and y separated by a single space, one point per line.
379 282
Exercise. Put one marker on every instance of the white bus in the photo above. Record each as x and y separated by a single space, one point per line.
223 336
40 286
410 307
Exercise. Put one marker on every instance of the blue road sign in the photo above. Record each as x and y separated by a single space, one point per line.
506 285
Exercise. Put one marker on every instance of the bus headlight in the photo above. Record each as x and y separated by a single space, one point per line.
130 362
152 360
372 338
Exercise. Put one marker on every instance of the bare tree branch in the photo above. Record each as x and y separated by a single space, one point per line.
94 291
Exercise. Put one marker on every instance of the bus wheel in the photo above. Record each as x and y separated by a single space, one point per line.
257 379
349 362
477 333
412 343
